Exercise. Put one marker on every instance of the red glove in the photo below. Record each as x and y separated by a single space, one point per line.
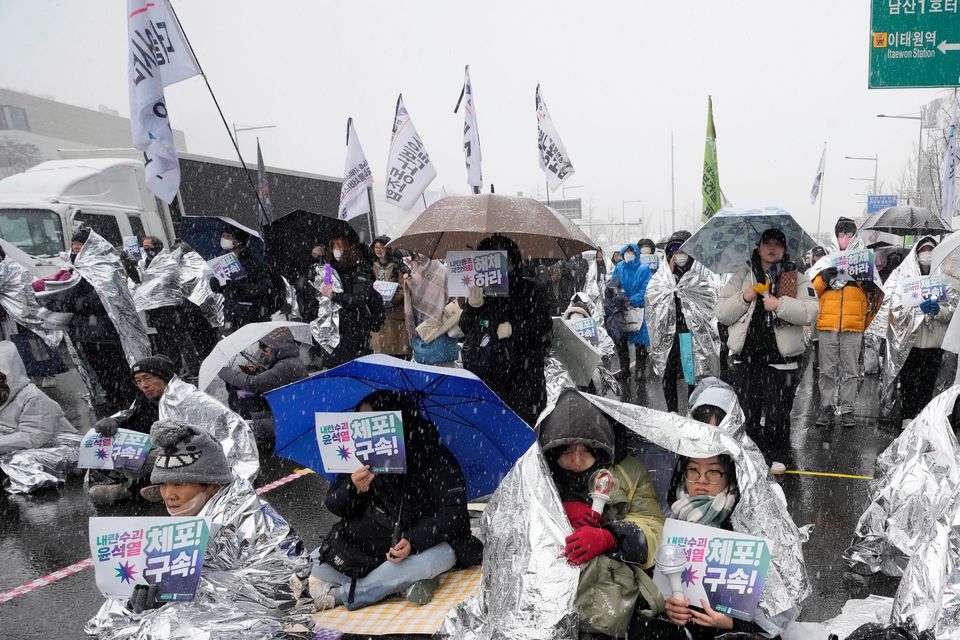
580 514
586 544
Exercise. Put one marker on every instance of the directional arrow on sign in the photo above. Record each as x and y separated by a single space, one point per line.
945 46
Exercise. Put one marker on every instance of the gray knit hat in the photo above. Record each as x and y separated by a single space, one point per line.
187 455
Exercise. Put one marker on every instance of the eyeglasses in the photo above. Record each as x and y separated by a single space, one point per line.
713 476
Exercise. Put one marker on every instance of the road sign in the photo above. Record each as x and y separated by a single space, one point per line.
879 203
914 43
571 209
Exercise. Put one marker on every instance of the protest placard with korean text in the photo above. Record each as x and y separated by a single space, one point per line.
859 264
586 328
132 247
96 451
227 267
652 261
485 269
349 441
126 450
914 291
162 551
725 568
386 289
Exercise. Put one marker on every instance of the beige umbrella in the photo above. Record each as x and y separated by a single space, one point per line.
458 223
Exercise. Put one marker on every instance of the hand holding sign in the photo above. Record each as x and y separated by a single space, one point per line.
352 442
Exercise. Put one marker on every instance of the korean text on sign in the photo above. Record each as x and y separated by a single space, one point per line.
349 441
488 270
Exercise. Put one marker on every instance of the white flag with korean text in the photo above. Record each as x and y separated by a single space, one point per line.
158 57
471 134
409 169
948 189
815 189
554 160
357 178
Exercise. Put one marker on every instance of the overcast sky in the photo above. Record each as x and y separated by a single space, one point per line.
618 78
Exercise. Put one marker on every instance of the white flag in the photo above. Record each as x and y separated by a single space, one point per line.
357 178
815 189
409 170
948 190
158 57
553 155
471 135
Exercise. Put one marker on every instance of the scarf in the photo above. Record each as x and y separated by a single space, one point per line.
710 511
426 293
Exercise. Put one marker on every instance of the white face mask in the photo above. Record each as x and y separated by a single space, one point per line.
337 254
680 259
226 245
645 251
191 507
629 257
925 258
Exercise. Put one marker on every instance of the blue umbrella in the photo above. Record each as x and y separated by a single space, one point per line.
484 435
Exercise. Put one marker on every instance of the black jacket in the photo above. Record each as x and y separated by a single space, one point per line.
361 312
250 298
140 416
90 322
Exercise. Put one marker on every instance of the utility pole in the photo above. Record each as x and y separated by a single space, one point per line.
673 190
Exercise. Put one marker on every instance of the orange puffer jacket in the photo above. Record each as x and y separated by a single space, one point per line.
843 310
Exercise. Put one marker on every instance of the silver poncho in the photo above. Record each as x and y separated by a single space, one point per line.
698 290
915 477
326 327
195 277
244 590
30 469
159 282
183 402
528 589
98 264
19 301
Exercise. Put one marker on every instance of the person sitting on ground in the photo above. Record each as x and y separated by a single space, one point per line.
612 548
397 532
251 550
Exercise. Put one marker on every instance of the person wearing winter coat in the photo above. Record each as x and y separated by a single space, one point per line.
397 532
29 419
613 548
624 294
765 336
392 338
248 297
506 339
601 267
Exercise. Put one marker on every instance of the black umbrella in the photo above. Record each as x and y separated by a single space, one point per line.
290 238
906 220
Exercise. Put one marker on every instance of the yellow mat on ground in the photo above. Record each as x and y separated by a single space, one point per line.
401 617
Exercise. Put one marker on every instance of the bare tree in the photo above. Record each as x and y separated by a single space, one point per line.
16 157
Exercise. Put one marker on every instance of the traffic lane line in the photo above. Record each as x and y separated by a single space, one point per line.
86 563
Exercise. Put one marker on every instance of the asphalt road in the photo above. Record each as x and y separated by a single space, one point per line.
44 533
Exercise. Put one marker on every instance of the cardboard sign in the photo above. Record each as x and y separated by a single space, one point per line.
349 441
163 551
227 267
132 247
652 261
859 265
485 269
386 289
725 568
96 451
125 451
586 328
914 291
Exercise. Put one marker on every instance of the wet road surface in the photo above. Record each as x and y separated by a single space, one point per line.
43 533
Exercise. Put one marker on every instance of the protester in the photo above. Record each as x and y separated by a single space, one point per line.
249 296
679 302
579 267
624 310
562 286
507 338
615 258
614 548
846 310
647 247
397 532
600 265
251 551
765 335
360 306
392 338
915 334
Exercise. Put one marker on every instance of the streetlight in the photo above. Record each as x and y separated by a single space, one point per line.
872 159
238 129
623 216
910 116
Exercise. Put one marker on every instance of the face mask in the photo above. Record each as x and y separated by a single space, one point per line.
925 258
681 259
226 245
191 507
337 254
629 257
152 253
645 251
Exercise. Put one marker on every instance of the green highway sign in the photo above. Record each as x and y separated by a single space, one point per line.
914 44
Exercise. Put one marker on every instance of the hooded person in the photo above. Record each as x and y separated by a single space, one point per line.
680 300
397 532
506 339
613 548
914 334
244 589
18 302
766 305
624 304
248 297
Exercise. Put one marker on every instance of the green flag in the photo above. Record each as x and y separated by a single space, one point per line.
712 197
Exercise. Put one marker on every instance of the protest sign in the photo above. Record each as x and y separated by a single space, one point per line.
858 264
96 451
652 261
485 269
913 291
349 441
161 551
227 267
126 450
386 289
132 247
725 568
586 328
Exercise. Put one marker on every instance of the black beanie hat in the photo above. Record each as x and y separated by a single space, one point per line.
81 235
160 366
774 234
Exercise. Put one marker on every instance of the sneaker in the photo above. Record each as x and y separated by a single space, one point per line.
848 420
421 592
325 594
825 416
151 493
104 495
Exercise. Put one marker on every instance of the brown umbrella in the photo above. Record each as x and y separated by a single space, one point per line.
458 223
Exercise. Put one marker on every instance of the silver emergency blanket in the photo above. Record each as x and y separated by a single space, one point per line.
195 277
19 301
30 469
904 323
915 478
98 264
527 589
183 402
929 592
594 293
698 290
159 282
244 590
326 327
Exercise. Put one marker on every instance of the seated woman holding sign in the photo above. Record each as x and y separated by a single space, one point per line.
398 532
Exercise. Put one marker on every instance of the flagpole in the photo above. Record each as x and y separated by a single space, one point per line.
822 179
547 183
226 126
